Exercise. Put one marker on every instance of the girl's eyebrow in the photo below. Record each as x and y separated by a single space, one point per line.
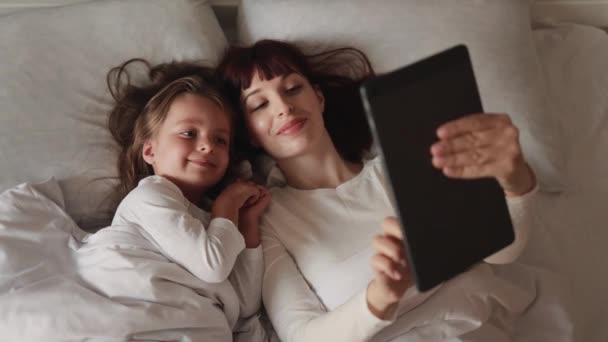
193 121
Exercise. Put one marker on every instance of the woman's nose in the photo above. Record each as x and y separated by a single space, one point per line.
285 107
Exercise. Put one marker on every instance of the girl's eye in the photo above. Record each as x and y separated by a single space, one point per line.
294 89
187 134
221 141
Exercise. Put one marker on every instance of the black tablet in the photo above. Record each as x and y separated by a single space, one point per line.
448 224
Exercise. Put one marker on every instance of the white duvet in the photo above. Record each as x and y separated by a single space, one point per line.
56 287
50 281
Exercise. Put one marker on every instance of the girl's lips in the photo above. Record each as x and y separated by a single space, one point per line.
293 126
203 163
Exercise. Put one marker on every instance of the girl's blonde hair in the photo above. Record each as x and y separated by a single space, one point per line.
140 110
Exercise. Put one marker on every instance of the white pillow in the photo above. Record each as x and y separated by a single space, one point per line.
397 32
575 64
53 94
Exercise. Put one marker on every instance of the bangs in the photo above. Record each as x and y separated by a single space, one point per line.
267 59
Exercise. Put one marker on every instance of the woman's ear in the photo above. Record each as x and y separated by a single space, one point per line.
320 97
147 152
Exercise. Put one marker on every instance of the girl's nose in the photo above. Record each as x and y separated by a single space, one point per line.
205 145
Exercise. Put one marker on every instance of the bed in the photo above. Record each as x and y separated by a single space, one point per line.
57 159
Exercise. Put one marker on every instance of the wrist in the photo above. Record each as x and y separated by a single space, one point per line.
250 231
226 212
521 183
377 305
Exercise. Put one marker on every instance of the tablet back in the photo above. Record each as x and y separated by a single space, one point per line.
448 224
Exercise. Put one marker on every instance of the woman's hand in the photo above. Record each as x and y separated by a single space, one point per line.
391 274
483 145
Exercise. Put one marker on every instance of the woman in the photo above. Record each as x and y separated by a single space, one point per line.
322 226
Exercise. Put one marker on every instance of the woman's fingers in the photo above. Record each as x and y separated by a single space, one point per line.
381 264
473 157
391 227
465 142
470 123
389 246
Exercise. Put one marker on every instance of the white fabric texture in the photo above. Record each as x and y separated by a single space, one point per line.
59 283
317 249
575 63
160 212
53 94
394 33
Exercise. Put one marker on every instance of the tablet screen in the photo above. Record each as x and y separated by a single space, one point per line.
449 224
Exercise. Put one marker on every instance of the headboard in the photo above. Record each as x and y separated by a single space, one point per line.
590 12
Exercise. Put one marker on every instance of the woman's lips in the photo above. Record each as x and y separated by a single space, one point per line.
292 127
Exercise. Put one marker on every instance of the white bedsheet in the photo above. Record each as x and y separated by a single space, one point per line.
55 288
575 61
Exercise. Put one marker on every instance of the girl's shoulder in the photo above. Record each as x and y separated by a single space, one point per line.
155 191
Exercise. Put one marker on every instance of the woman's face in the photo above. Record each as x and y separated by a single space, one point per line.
284 115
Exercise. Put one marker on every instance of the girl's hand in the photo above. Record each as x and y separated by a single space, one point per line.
249 218
255 206
391 274
483 145
236 195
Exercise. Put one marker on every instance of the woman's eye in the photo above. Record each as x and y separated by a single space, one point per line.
260 106
294 89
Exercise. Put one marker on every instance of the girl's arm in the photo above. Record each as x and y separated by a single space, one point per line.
246 278
296 312
161 211
249 269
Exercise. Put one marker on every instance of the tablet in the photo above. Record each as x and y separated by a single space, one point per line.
448 224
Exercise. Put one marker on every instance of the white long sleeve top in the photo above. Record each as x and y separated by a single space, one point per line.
211 249
317 251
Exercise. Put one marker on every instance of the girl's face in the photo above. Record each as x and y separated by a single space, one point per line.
191 146
284 114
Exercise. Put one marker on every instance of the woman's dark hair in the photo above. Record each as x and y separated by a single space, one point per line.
337 72
141 109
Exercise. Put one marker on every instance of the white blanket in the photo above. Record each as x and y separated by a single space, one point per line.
55 288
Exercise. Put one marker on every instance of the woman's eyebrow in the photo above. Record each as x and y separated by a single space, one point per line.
257 90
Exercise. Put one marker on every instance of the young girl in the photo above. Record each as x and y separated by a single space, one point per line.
322 227
194 275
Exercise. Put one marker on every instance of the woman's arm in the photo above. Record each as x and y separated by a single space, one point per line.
296 312
161 210
522 217
487 145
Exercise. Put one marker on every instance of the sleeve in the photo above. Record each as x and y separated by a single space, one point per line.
296 312
246 278
522 216
161 211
